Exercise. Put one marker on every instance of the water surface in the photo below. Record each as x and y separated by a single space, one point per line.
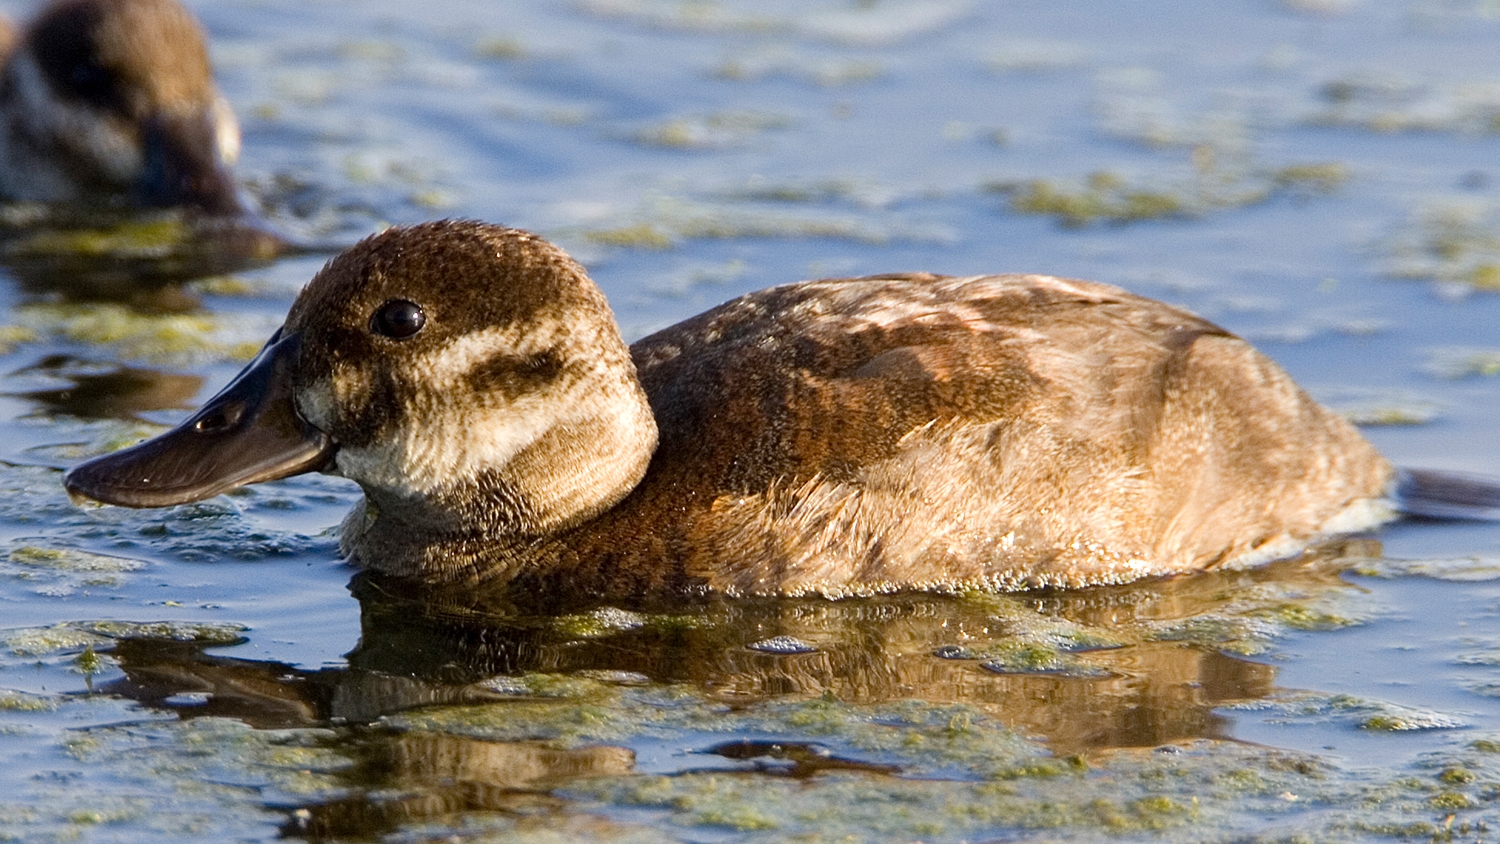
1318 175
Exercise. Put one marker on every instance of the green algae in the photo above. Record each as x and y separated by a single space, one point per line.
1124 796
1104 198
12 336
1408 721
823 72
665 222
1388 104
636 236
64 571
807 192
33 642
228 286
1022 657
85 637
711 131
208 779
1110 198
1456 363
500 48
202 632
1353 712
71 560
1027 628
1391 415
1299 616
132 334
600 622
11 701
1455 570
149 236
1454 242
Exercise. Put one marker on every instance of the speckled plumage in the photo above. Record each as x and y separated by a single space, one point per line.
836 437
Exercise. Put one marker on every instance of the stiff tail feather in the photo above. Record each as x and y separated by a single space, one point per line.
1432 494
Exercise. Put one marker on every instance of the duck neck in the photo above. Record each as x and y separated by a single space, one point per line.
497 520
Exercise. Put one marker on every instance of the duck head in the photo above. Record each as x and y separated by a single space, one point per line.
115 100
469 377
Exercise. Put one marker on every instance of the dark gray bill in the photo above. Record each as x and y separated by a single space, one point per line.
249 432
183 166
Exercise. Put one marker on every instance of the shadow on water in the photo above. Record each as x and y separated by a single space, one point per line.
108 390
142 260
1141 665
131 257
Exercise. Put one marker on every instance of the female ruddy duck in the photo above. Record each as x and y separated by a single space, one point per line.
838 437
114 101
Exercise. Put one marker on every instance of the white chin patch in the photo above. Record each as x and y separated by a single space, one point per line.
226 131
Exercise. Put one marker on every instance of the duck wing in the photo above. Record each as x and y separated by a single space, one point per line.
1007 431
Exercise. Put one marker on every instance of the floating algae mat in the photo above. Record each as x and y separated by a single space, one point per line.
458 714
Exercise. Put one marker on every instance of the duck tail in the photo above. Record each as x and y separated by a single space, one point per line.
1432 494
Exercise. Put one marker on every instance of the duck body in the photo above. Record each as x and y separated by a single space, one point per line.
832 437
113 102
1000 432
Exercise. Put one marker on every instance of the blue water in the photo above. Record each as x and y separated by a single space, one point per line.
732 146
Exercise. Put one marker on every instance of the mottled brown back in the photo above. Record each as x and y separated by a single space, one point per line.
917 431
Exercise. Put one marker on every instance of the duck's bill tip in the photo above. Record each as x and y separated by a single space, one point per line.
185 165
134 477
250 432
78 498
172 469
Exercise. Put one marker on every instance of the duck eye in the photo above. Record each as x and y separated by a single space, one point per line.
398 319
87 76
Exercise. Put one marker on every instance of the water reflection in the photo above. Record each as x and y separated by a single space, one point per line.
798 760
131 257
426 776
109 390
1142 681
1134 692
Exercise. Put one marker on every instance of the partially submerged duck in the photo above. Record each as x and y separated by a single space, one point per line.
114 102
835 437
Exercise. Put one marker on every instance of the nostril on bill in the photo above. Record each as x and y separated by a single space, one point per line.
222 418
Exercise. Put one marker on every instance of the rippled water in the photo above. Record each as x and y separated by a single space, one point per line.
1318 175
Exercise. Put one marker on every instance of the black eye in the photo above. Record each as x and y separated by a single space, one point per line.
398 319
88 77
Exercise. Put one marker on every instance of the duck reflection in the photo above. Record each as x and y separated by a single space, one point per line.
127 257
108 390
1119 687
1134 693
423 648
473 775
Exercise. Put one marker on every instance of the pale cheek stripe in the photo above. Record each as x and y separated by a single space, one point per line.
80 127
450 364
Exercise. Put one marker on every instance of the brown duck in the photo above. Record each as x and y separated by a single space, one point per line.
114 102
839 437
